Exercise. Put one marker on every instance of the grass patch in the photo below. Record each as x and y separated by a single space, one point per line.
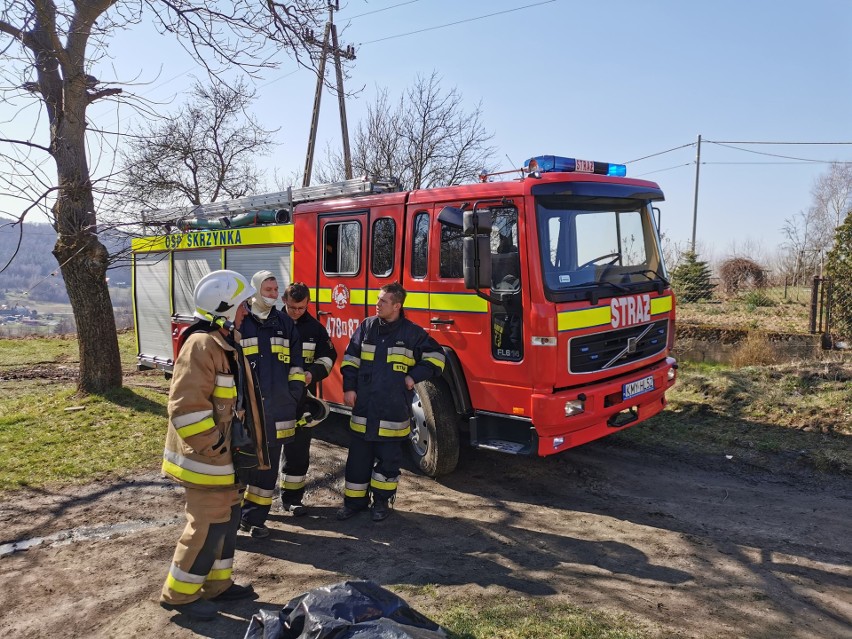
514 617
41 442
775 416
42 350
103 434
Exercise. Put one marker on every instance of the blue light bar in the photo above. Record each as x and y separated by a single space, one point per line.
559 164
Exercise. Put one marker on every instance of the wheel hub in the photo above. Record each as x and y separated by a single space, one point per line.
419 433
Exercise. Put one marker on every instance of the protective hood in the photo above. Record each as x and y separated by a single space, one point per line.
260 308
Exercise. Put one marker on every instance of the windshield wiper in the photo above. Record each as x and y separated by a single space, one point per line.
594 293
645 272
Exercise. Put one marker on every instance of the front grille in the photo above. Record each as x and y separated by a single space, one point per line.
590 353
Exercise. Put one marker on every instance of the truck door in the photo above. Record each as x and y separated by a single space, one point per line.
488 337
341 299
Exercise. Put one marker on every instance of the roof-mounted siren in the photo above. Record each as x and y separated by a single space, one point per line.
558 164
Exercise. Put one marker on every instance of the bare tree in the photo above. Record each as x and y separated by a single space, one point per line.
425 139
48 49
204 151
832 200
810 234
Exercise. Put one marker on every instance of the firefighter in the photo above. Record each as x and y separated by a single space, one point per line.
387 355
202 400
272 345
319 355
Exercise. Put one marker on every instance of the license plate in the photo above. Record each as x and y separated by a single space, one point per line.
640 386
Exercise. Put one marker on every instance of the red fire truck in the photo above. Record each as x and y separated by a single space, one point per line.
548 293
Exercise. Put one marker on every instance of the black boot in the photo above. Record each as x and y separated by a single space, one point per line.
381 508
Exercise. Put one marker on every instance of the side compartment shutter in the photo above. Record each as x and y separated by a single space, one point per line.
153 322
191 266
248 261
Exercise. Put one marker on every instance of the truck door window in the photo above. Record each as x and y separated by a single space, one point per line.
342 242
384 236
507 326
420 245
451 252
505 258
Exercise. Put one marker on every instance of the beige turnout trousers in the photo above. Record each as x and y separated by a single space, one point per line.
204 557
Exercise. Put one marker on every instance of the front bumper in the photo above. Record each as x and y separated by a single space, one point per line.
605 412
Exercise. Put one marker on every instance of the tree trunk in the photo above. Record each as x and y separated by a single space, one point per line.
84 261
81 256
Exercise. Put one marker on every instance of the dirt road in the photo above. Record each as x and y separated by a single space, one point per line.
692 547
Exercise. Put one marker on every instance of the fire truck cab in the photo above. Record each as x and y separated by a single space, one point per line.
548 294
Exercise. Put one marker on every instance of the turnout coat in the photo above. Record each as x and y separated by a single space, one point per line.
375 364
273 349
202 397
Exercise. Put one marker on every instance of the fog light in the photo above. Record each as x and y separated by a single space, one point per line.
558 441
574 407
671 374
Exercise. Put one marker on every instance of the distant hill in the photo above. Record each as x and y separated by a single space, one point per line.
34 269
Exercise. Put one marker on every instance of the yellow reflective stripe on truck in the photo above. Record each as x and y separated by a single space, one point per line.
215 238
602 315
415 300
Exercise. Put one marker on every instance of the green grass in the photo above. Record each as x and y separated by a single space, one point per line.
57 349
514 617
774 416
41 442
32 351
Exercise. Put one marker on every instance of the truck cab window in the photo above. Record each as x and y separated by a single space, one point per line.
505 258
420 245
342 248
451 252
384 238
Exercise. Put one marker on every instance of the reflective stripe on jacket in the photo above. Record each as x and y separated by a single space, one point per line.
201 406
318 353
273 348
375 364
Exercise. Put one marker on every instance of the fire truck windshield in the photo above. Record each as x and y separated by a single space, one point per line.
589 243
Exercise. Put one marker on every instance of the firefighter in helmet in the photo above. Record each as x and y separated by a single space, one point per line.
205 391
319 356
271 343
387 355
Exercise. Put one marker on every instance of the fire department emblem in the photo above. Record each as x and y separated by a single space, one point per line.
340 295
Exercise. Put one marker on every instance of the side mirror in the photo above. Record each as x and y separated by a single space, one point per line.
477 222
451 216
477 261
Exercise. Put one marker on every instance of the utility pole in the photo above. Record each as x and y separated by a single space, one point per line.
348 53
695 204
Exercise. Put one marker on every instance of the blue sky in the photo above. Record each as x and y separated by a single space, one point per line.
610 81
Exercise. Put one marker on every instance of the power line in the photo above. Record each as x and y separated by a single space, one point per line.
393 6
778 143
774 155
451 24
682 146
671 168
810 162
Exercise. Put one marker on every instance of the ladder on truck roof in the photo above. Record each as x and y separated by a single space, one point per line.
280 201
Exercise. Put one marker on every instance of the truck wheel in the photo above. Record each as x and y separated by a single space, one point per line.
435 429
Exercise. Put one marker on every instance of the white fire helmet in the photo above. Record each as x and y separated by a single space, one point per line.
218 294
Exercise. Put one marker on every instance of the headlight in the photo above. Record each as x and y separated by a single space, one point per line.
574 407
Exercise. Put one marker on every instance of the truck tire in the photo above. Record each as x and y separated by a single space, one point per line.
434 436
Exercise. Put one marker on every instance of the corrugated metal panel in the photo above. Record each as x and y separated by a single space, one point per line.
248 261
152 305
191 266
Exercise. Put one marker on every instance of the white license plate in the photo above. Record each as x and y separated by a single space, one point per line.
640 386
